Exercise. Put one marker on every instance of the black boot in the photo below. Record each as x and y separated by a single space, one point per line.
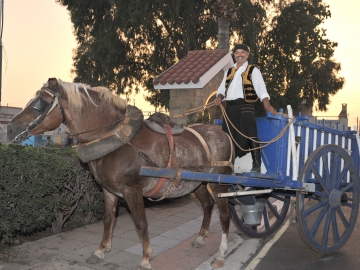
256 156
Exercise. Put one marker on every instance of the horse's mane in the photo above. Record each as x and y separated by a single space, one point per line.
76 99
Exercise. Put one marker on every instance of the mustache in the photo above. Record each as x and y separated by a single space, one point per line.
239 56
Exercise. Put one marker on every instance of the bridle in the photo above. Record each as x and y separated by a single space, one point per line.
44 108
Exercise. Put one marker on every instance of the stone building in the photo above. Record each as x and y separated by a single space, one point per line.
193 82
6 114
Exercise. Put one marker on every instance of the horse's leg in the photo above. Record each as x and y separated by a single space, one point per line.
135 202
222 204
207 203
109 221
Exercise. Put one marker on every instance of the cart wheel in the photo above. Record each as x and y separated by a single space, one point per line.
274 213
327 217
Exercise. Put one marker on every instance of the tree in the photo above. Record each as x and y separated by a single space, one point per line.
224 12
125 44
297 58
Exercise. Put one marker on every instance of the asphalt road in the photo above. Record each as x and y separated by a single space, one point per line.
291 253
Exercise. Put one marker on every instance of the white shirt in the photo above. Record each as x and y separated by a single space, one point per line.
235 90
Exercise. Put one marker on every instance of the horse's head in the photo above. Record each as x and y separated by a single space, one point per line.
42 113
87 112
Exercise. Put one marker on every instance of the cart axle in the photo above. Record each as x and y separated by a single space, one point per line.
244 193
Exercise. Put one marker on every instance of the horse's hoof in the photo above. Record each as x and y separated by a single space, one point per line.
218 263
93 259
197 243
139 267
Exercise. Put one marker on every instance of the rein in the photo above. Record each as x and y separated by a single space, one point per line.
264 144
55 100
227 122
122 118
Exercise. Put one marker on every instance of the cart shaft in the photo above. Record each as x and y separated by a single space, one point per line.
225 179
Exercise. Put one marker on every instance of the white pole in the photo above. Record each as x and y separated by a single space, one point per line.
349 151
288 157
307 143
293 147
298 148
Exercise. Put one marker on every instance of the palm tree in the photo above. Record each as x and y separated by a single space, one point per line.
224 11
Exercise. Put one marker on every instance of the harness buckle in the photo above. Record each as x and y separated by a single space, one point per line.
18 137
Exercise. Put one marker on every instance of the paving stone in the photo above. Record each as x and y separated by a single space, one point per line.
171 228
176 234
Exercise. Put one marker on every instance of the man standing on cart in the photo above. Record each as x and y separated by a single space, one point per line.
241 87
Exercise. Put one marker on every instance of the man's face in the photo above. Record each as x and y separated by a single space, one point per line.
241 56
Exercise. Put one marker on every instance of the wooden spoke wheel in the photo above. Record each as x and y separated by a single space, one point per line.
274 213
327 217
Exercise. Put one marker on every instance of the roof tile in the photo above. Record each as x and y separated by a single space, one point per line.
190 68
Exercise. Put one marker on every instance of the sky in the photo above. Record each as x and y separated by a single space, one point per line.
38 44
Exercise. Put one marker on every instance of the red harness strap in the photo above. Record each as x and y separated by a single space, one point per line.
162 181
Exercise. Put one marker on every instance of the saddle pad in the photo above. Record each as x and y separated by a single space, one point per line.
159 129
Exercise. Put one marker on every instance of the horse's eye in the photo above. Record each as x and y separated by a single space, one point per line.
40 105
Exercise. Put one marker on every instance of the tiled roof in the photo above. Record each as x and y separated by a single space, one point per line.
194 70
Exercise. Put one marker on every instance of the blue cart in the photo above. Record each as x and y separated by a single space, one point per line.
316 164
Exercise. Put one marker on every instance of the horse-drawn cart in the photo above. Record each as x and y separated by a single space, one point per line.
316 164
117 144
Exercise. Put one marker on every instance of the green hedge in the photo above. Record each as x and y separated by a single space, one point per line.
41 189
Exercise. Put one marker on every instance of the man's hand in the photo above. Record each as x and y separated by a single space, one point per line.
218 99
268 107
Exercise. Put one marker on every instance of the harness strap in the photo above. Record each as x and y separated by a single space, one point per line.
57 94
162 181
227 163
38 120
206 148
55 100
201 139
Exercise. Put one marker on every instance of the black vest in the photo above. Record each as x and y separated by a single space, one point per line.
250 95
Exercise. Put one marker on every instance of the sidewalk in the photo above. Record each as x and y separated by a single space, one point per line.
172 228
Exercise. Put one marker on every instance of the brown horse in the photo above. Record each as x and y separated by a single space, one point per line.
115 141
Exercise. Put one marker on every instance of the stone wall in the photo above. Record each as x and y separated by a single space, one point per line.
185 99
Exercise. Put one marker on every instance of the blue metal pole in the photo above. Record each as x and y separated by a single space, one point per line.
264 181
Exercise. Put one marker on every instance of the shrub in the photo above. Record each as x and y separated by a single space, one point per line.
41 189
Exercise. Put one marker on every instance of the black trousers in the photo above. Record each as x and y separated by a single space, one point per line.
242 115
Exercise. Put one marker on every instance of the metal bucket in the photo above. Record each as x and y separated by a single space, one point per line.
252 213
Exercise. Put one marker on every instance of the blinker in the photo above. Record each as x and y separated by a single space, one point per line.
40 105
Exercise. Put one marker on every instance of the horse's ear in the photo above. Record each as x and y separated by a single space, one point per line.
52 82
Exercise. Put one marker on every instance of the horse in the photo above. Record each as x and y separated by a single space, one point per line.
115 142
